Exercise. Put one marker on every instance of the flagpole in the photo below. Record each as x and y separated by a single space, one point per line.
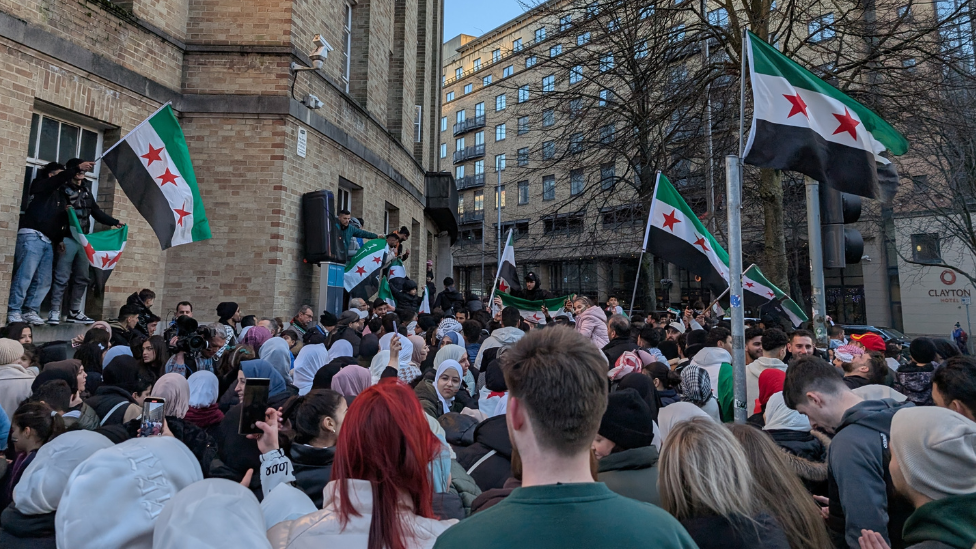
720 296
498 272
647 232
141 124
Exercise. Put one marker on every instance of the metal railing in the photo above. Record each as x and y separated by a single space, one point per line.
476 216
471 182
475 151
469 124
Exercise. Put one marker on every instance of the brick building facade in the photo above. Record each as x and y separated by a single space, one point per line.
76 76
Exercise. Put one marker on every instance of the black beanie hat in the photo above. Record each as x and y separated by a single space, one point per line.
922 350
627 421
328 319
494 378
226 310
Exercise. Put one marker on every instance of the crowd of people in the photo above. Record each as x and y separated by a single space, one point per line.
472 427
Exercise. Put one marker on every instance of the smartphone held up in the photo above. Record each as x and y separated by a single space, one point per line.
152 417
255 403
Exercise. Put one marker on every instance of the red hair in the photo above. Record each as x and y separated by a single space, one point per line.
386 440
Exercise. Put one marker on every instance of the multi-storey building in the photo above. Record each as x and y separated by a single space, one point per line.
77 76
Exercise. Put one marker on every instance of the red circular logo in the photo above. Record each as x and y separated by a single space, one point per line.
948 277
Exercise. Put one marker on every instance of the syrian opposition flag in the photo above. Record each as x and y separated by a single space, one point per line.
507 275
676 234
396 270
362 276
760 291
802 124
385 293
531 310
152 165
103 249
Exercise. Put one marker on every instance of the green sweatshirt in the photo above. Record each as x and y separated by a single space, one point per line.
726 397
558 516
950 520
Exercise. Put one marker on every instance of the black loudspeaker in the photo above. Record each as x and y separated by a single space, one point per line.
322 239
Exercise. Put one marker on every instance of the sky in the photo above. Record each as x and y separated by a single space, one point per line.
476 17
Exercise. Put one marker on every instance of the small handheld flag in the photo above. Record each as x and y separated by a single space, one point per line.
103 249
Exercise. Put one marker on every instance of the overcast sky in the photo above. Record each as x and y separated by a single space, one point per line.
476 17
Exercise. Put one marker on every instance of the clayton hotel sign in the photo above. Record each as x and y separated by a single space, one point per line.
949 295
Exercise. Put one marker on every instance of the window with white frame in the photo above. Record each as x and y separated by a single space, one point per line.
821 28
523 93
479 138
468 88
458 73
548 187
500 132
346 46
499 162
496 55
485 80
344 199
459 144
718 17
576 74
500 102
443 123
583 39
443 150
479 109
54 139
530 62
548 83
565 22
508 71
540 34
523 125
523 192
555 50
517 45
479 167
450 96
460 116
477 64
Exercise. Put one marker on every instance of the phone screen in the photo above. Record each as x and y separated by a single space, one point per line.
152 417
255 404
395 329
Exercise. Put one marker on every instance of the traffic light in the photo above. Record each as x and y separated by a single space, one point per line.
841 245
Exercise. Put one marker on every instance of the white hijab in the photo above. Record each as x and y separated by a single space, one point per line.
309 360
673 414
385 341
203 388
378 364
779 416
449 363
44 480
341 348
211 513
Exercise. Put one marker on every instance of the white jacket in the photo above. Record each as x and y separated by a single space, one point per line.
15 386
753 370
321 528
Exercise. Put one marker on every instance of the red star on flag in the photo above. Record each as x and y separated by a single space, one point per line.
701 242
502 286
670 219
377 259
536 317
798 105
90 252
153 155
771 294
360 270
181 211
392 272
847 123
106 259
115 259
167 177
749 284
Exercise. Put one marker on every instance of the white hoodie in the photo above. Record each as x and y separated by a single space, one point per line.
753 370
40 488
499 338
710 359
211 513
114 497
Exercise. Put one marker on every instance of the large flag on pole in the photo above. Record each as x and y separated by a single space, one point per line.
760 291
103 249
152 165
802 124
532 310
676 234
507 275
362 276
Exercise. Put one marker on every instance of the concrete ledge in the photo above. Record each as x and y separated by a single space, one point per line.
61 332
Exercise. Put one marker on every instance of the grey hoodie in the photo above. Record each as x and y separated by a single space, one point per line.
499 338
858 479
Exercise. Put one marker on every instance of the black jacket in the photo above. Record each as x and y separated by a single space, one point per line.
853 382
46 206
20 531
490 435
345 332
203 446
536 294
313 468
450 300
120 336
105 399
799 443
144 315
859 485
717 532
617 347
80 198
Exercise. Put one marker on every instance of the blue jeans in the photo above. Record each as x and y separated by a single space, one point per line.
72 267
32 273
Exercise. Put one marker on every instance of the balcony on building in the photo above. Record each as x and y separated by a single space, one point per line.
470 124
471 182
476 216
474 151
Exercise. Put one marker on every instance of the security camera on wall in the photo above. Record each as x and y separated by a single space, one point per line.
318 55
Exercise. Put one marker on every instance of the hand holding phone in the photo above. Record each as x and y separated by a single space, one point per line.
255 403
152 417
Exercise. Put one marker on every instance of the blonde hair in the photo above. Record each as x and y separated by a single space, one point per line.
703 471
584 300
780 491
